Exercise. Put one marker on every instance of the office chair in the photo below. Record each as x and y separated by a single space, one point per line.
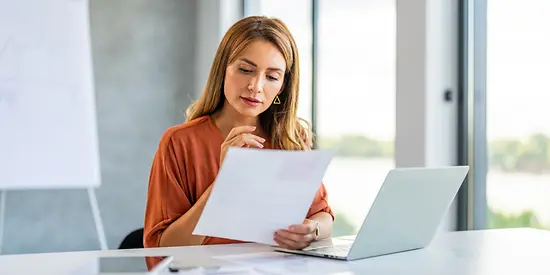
133 240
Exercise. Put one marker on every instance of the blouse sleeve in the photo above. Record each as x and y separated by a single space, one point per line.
166 195
320 203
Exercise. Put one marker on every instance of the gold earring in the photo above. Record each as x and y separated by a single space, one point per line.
277 101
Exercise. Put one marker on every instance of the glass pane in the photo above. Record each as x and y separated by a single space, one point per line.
296 14
356 103
518 117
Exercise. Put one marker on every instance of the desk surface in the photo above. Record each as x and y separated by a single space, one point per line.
505 251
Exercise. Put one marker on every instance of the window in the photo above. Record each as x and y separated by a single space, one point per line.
518 117
355 95
356 103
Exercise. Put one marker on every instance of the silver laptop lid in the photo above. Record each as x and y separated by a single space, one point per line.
408 209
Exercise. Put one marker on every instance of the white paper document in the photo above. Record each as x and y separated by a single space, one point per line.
274 263
258 192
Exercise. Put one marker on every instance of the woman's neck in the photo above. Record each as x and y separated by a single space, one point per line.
227 118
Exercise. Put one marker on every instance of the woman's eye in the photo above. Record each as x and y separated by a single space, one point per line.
272 78
245 70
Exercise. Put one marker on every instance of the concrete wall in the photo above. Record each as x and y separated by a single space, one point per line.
144 72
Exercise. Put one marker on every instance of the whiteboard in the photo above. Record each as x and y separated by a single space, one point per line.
48 131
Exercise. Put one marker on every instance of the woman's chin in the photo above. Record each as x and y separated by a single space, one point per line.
249 112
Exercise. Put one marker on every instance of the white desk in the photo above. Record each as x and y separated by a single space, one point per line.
506 251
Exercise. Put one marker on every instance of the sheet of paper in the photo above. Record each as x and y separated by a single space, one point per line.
281 263
258 192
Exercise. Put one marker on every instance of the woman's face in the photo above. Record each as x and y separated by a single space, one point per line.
254 79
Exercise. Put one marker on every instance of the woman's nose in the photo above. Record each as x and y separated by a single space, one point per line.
256 84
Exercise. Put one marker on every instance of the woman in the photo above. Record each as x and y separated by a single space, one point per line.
250 100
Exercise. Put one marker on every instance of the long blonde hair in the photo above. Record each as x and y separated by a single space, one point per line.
280 121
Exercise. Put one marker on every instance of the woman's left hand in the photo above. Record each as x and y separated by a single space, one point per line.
297 236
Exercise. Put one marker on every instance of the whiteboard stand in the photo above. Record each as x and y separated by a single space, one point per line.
53 72
95 211
97 219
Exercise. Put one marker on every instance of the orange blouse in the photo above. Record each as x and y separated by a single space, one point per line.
185 165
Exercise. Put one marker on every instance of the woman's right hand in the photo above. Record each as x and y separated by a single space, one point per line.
241 137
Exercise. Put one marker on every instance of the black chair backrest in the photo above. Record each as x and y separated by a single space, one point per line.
133 240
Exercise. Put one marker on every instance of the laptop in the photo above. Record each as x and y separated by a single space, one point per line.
405 215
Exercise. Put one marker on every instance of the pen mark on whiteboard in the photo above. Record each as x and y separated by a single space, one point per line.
4 47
